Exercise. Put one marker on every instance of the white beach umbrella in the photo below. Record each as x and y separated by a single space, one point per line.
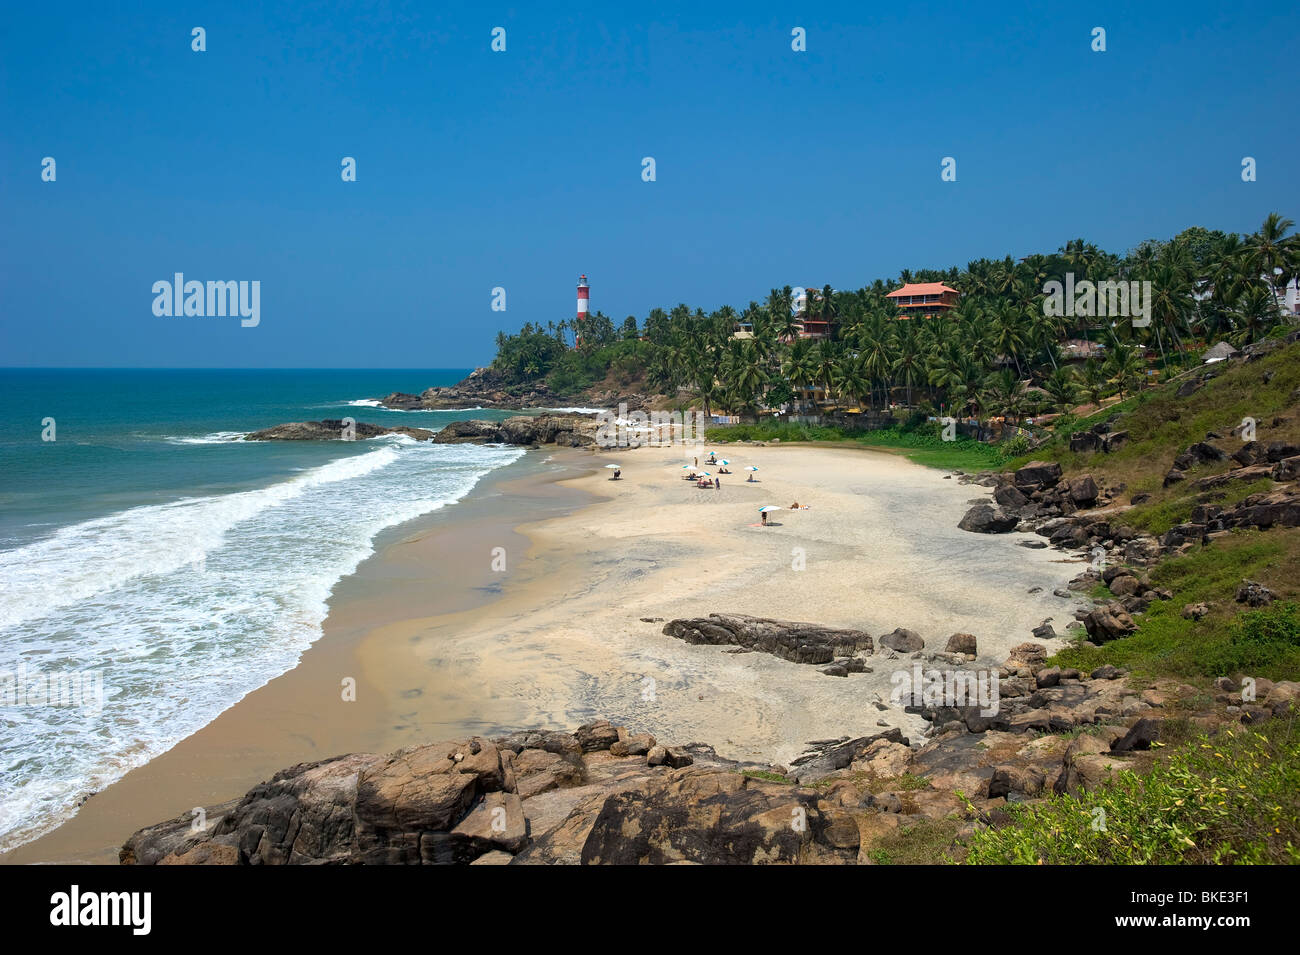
751 468
769 507
614 466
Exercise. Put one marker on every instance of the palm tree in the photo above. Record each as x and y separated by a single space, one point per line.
1124 363
1006 393
909 360
1094 381
1171 298
1273 255
782 315
848 379
1254 312
1008 331
800 366
1063 387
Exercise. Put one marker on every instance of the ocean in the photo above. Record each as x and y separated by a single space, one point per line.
155 571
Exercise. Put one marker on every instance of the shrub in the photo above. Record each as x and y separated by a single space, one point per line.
1234 798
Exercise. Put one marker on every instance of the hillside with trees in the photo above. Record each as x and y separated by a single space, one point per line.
997 353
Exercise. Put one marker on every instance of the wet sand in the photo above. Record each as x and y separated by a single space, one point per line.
441 644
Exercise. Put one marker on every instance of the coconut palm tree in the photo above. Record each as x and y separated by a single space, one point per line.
1254 312
1008 329
909 360
1124 363
1005 393
800 365
1273 255
1062 385
781 314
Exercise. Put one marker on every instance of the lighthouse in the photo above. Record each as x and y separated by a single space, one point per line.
583 293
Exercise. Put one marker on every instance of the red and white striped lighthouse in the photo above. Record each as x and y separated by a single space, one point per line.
583 293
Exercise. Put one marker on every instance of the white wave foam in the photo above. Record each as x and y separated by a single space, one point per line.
94 557
216 437
180 640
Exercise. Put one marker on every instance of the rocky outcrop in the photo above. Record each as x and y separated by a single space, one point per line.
1033 496
1109 623
593 797
1038 474
903 640
567 430
333 430
797 642
984 519
537 797
489 388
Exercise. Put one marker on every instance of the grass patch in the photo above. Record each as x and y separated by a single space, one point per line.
1260 643
1160 424
1157 516
921 444
1230 799
921 843
765 776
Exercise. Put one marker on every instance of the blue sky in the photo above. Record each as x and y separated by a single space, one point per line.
522 169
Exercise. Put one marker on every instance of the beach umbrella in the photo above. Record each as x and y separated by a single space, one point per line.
769 507
614 466
724 462
751 468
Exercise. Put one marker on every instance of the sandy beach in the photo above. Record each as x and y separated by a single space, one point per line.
443 640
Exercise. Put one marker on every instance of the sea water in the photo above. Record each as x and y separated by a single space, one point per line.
151 548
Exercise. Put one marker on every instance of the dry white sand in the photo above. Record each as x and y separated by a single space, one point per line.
879 549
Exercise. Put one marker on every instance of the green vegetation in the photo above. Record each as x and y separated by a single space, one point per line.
1264 642
1160 424
925 446
764 775
1166 511
998 353
1230 799
917 843
921 443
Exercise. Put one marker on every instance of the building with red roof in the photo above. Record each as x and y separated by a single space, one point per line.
924 299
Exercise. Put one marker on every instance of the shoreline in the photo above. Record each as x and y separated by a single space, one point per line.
274 726
557 639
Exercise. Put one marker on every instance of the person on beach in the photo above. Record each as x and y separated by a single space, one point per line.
763 516
618 472
717 484
750 479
